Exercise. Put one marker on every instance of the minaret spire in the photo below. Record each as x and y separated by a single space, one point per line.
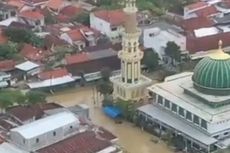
130 84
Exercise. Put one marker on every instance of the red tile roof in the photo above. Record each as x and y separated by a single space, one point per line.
76 35
86 142
194 44
63 18
32 15
196 23
7 65
55 4
34 1
196 5
71 11
17 3
106 134
24 113
6 125
114 17
32 53
53 74
77 58
207 11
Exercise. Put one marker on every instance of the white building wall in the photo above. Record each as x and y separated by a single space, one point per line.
105 28
219 127
157 39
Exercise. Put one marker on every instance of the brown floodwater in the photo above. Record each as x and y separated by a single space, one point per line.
133 139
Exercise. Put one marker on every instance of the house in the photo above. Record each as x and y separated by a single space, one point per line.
7 11
56 5
70 11
200 9
33 136
7 65
81 37
27 68
32 17
90 63
5 80
52 79
35 3
32 53
16 3
109 23
159 34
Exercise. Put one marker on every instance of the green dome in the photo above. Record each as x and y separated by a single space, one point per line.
212 74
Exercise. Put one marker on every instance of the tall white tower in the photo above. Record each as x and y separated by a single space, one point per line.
130 84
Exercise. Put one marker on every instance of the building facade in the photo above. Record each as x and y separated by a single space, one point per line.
130 84
194 105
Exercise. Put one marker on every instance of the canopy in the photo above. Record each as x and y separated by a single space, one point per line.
112 111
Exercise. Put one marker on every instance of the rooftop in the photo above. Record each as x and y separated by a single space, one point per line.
56 73
207 11
197 23
114 17
196 5
7 65
31 14
71 10
86 142
55 4
174 91
32 53
6 7
26 66
10 148
202 32
52 122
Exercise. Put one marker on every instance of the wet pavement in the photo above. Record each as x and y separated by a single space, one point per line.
132 138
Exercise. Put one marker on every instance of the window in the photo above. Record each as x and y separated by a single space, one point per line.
37 140
54 133
196 120
71 127
181 111
203 124
174 108
24 141
226 133
189 116
160 100
216 136
37 22
167 103
113 28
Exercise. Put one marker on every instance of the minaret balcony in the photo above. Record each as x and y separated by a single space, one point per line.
129 57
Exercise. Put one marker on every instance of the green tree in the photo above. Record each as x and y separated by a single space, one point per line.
151 59
49 18
105 74
173 51
11 97
23 36
105 88
82 18
34 97
8 51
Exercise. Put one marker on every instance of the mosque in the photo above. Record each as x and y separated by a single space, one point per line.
194 105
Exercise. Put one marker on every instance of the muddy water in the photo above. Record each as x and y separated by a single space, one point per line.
131 138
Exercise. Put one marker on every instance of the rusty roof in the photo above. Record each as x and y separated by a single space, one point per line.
7 65
56 73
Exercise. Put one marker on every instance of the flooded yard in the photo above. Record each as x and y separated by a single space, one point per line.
130 137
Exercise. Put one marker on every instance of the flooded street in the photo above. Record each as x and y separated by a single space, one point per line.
131 138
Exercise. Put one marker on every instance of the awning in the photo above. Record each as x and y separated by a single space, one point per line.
177 124
112 111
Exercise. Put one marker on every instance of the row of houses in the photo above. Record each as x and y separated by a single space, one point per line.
50 127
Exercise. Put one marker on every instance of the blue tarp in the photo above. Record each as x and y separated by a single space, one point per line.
112 111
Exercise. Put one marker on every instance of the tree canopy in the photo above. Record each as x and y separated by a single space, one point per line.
173 51
151 59
23 36
8 51
82 18
16 97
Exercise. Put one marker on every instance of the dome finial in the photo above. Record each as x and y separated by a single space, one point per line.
220 43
